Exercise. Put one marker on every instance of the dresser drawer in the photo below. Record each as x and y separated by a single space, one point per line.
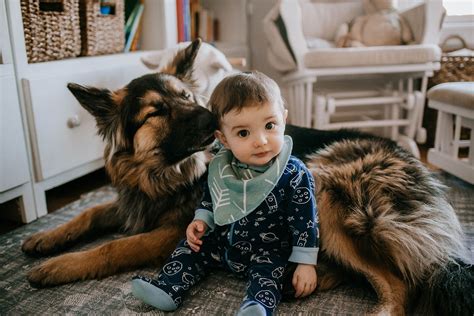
59 145
13 156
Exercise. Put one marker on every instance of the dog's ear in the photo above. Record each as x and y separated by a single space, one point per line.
182 64
97 102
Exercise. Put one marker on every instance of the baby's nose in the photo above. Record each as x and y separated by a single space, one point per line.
260 140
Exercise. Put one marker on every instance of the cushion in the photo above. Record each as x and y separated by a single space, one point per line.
372 56
316 42
415 17
279 52
454 93
322 20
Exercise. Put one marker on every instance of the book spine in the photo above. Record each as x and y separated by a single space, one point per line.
187 20
128 25
194 8
180 20
134 28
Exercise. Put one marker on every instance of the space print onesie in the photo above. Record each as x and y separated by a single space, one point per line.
259 219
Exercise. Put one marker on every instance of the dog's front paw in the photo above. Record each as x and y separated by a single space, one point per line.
55 271
41 276
43 243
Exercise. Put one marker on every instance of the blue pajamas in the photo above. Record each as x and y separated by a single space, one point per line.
185 268
258 247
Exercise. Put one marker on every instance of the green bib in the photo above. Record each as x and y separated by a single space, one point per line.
238 189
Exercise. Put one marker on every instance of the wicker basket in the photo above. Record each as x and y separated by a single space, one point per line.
455 65
102 34
51 29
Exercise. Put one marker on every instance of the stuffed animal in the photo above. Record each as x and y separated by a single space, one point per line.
381 25
210 66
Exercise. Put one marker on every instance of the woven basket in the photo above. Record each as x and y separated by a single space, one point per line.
51 29
454 66
101 34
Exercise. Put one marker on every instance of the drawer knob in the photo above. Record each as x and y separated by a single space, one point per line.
73 121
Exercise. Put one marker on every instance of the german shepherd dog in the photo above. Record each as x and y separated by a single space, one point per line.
382 215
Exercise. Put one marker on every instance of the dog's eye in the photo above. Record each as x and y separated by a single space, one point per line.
185 95
152 114
160 110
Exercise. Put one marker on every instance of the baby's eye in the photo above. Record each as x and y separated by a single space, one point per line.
243 133
270 125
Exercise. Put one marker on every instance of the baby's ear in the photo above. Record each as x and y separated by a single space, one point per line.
221 137
285 115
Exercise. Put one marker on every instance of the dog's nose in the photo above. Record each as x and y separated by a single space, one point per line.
206 120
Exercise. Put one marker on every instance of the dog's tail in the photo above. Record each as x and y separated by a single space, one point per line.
397 215
450 290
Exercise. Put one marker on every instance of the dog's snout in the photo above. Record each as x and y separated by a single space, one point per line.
206 120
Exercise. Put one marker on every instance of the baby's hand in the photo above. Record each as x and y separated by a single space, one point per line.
304 279
194 232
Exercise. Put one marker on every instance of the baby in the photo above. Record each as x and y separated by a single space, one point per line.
258 212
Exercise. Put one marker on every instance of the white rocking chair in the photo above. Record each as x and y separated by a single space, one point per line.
376 86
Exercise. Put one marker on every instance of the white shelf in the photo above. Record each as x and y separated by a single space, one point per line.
230 49
82 64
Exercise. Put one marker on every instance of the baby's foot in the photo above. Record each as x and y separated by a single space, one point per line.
147 290
251 308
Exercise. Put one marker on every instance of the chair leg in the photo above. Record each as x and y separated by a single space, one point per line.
409 144
395 115
438 135
471 147
308 102
319 112
420 130
414 113
447 134
456 137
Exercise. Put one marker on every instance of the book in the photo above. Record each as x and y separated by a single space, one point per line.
194 7
180 20
187 20
129 22
134 27
136 39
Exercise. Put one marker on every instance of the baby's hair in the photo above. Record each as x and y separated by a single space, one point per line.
244 89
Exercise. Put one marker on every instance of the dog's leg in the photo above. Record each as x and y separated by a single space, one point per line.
340 246
94 220
118 255
329 276
391 290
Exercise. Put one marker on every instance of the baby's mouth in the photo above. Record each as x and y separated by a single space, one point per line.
262 154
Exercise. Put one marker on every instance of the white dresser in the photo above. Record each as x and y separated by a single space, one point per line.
61 140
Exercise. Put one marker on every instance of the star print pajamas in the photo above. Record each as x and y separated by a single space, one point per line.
257 247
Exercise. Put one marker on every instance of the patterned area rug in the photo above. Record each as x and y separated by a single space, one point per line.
219 294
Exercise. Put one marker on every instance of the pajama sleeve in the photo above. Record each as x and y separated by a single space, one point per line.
204 210
302 215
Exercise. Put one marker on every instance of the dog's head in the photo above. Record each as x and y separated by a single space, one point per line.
154 123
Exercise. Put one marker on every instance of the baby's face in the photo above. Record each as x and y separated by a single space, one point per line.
254 134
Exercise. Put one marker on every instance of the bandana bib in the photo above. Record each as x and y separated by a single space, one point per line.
237 189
